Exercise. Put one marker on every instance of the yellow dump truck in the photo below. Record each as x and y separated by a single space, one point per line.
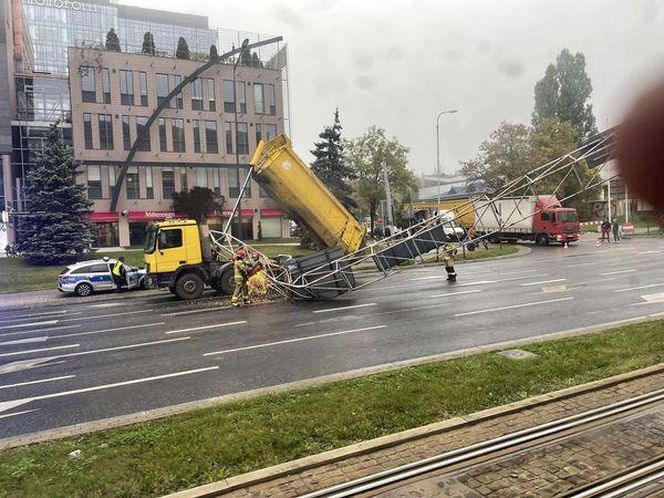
177 252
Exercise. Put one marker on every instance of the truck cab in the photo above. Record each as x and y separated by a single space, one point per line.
554 223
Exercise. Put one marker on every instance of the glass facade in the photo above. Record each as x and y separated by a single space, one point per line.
42 99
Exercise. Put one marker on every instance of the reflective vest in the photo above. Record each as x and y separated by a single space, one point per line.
117 268
240 270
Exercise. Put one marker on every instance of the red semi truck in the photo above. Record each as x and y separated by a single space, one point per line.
539 218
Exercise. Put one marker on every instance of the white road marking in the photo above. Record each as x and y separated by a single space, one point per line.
24 341
304 324
17 413
402 310
32 324
638 288
432 277
617 272
654 298
448 294
591 263
40 381
206 327
119 314
544 282
130 327
299 339
594 281
17 366
20 318
190 312
341 308
40 331
30 351
6 405
478 282
651 252
106 305
524 277
524 305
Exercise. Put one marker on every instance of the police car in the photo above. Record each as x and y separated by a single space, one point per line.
87 277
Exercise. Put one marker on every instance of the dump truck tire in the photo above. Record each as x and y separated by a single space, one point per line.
189 286
227 281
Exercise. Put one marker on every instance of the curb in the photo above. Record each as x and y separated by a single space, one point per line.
157 413
332 456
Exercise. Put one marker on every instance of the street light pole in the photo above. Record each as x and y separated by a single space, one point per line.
237 148
451 111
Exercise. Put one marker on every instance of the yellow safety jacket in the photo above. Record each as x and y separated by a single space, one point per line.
241 269
117 268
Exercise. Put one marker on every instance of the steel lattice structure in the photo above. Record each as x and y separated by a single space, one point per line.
378 260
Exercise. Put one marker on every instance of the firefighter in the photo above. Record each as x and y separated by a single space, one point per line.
241 276
119 273
449 251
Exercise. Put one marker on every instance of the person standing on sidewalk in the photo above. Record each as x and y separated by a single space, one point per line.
615 226
606 228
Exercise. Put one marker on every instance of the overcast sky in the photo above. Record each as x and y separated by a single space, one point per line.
396 63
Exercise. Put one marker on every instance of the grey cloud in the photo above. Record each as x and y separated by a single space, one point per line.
511 68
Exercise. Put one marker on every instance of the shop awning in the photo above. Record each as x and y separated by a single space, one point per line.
271 213
103 217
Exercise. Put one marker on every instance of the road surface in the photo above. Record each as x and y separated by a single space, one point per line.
77 360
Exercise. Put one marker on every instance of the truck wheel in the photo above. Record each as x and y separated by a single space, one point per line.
189 286
83 289
542 239
227 281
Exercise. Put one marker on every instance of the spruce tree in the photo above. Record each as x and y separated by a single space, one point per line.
330 165
255 61
148 44
112 41
245 56
56 226
182 52
214 55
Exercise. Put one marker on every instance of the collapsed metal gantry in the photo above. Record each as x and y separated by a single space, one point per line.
330 273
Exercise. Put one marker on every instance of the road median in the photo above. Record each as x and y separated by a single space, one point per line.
219 442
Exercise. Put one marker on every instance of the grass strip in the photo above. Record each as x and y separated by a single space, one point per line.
210 444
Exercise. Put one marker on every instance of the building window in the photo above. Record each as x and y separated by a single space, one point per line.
270 131
163 144
87 130
228 131
111 180
106 84
236 178
217 181
143 84
126 87
88 88
94 182
177 128
178 98
242 91
133 186
211 141
262 193
201 177
162 88
271 100
105 131
184 184
242 138
143 133
229 97
167 182
197 95
149 187
126 133
259 106
212 96
197 135
259 133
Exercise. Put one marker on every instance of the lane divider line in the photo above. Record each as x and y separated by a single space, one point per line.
40 381
617 272
18 413
117 329
111 315
448 294
25 341
206 327
30 351
40 331
650 286
544 282
514 306
191 312
341 308
299 339
32 324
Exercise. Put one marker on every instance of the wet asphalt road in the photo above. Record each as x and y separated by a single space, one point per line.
73 360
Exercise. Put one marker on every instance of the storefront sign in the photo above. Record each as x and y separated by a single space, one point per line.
271 213
103 217
246 213
63 4
153 215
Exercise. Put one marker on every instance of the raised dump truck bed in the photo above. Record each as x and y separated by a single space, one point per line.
290 182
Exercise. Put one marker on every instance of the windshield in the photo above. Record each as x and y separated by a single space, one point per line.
150 239
566 216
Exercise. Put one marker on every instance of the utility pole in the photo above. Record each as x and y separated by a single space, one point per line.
388 196
451 111
237 148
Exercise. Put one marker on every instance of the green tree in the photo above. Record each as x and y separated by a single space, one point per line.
214 55
57 227
182 52
255 61
245 56
197 203
564 93
148 44
503 157
330 165
112 41
368 155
